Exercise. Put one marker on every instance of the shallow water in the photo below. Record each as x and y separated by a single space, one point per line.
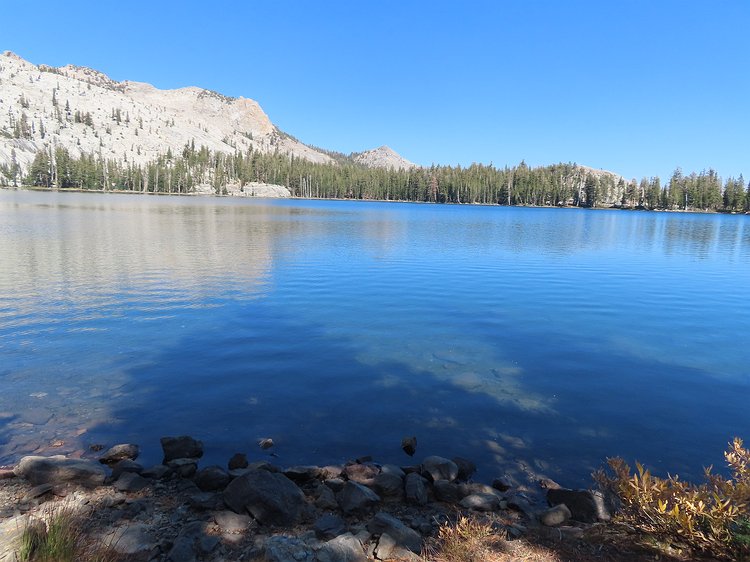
533 341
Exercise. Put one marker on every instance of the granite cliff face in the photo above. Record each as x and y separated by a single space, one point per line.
87 112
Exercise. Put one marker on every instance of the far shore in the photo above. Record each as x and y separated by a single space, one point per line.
231 196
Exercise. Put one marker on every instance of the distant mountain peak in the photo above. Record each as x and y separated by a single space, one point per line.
383 157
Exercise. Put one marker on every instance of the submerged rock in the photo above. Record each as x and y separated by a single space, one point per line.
409 445
183 447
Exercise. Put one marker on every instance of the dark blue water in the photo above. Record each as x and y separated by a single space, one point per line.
533 341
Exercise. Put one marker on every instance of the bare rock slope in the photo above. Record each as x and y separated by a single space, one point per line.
87 112
383 157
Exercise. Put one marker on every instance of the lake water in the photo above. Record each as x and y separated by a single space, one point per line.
533 341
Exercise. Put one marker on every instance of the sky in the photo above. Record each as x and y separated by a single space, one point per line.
633 86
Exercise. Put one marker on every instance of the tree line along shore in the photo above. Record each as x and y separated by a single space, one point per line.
202 170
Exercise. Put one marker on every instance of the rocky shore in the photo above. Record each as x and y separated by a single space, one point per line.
179 511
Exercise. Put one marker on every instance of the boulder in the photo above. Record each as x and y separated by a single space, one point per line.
361 473
183 447
416 489
439 468
466 468
356 498
324 497
388 485
212 478
409 445
344 548
448 492
481 502
60 470
185 468
156 472
271 498
384 523
130 482
329 526
131 539
392 469
117 453
238 460
584 505
232 522
501 484
302 474
555 516
126 465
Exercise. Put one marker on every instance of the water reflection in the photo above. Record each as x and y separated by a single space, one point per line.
523 338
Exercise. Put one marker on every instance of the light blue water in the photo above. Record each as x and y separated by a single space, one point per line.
533 341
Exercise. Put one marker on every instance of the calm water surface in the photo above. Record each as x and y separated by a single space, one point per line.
534 341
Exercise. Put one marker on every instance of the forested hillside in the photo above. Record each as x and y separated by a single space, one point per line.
195 169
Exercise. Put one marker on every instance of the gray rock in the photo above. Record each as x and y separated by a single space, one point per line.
232 522
37 491
481 502
384 523
183 447
130 482
439 468
288 549
7 473
325 498
448 492
302 474
125 465
409 445
468 488
156 472
555 516
329 526
392 469
356 498
416 489
361 473
335 484
388 485
119 453
384 548
238 460
203 501
270 497
212 478
344 548
131 539
519 502
182 551
466 468
183 467
584 505
58 470
501 484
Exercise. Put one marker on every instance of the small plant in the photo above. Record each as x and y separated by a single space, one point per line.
56 541
711 518
466 540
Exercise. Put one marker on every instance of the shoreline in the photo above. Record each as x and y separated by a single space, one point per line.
359 511
295 198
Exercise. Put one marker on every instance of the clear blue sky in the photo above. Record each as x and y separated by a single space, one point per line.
638 87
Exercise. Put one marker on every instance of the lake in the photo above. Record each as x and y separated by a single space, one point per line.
532 341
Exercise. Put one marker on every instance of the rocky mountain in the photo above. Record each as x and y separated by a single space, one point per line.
383 157
87 112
